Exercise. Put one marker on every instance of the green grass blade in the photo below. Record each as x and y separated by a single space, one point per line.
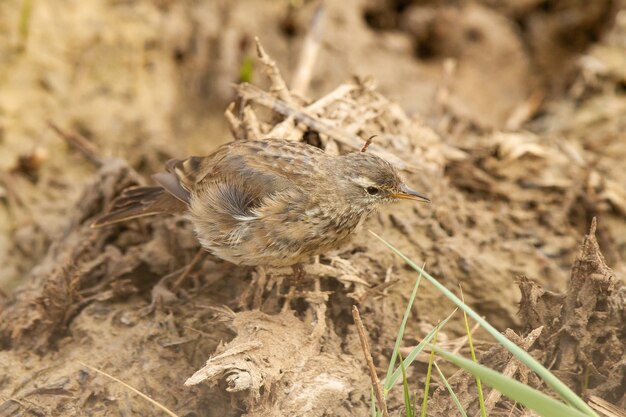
537 401
407 393
373 410
25 20
479 385
417 350
451 391
553 382
246 70
428 374
396 348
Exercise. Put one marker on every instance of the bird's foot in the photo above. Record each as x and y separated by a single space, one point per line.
160 295
163 294
252 297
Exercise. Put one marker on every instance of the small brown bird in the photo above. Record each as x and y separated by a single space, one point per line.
268 202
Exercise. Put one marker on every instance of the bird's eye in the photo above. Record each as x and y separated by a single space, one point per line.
372 190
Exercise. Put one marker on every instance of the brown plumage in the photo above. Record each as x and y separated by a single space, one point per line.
268 202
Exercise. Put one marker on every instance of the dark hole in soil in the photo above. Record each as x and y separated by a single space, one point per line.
425 50
474 35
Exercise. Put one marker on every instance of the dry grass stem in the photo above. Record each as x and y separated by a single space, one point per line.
84 146
141 394
462 340
338 93
234 124
380 398
252 127
525 110
510 369
308 53
255 94
605 408
278 83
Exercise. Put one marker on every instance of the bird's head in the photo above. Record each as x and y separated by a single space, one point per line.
369 181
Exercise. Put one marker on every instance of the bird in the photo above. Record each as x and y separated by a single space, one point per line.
269 202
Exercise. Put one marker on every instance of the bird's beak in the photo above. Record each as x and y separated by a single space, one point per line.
407 194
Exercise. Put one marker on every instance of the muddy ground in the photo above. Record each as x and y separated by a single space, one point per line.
511 116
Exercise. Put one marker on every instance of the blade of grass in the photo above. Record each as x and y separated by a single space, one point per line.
537 401
417 350
451 391
396 348
428 373
479 386
246 70
407 393
25 20
553 382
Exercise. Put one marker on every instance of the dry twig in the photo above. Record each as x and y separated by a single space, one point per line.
236 129
442 99
510 369
605 408
255 94
308 54
525 110
370 362
84 146
278 83
252 127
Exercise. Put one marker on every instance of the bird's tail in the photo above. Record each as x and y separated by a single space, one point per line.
139 202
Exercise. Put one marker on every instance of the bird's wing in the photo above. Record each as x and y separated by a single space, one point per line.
190 171
262 167
183 175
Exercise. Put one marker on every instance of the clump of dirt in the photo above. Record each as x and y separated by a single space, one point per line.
260 364
578 332
584 327
538 41
85 265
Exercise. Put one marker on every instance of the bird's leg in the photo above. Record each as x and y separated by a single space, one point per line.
259 282
161 295
288 297
298 273
252 296
183 276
